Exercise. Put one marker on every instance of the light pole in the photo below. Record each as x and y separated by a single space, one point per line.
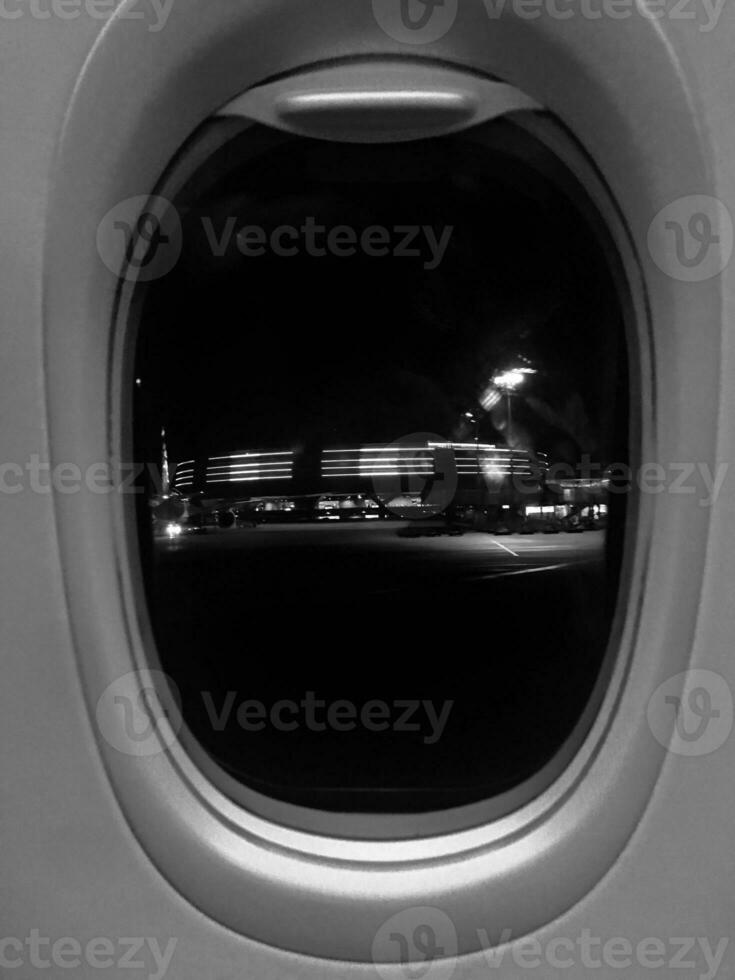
509 382
475 418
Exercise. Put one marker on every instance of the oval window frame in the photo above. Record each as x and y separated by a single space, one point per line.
215 135
477 876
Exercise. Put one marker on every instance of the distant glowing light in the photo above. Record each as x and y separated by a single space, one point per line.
378 461
380 449
253 455
173 530
248 479
258 466
510 380
420 461
461 445
245 468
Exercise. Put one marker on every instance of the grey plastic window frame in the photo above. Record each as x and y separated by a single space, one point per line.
264 880
492 100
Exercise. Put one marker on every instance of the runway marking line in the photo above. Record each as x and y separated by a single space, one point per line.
505 549
519 571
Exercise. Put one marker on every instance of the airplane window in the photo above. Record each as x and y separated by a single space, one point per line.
382 397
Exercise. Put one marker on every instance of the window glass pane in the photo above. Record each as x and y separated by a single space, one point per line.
386 384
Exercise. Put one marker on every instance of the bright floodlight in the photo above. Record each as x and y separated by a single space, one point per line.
510 380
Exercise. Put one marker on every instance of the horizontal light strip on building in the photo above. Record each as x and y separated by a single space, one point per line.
468 465
461 445
249 476
247 479
327 470
250 455
377 460
495 454
253 467
341 476
368 456
380 449
356 467
250 466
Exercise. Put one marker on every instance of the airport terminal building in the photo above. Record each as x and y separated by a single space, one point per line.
464 481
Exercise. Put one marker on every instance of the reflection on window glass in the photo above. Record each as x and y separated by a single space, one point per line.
383 389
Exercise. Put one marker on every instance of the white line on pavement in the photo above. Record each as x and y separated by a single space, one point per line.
519 571
504 548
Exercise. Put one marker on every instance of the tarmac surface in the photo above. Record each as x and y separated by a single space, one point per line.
511 629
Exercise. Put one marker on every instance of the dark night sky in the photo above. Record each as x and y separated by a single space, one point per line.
274 352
